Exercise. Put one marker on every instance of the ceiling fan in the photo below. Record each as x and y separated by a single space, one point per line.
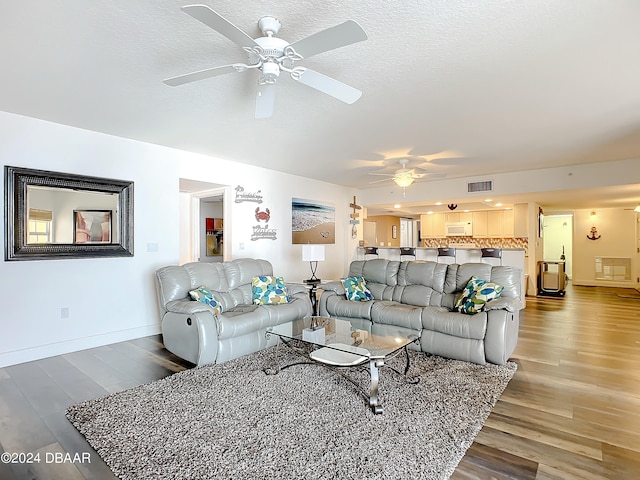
405 176
272 55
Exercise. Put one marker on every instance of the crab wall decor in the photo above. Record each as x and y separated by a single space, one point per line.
262 216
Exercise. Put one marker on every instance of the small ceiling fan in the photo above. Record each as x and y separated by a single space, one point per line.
405 176
272 55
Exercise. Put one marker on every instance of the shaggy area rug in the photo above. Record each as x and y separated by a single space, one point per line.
234 421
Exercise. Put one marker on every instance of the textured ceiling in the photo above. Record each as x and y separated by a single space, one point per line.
472 87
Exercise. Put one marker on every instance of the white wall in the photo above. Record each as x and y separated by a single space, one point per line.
621 172
277 190
616 228
113 299
109 299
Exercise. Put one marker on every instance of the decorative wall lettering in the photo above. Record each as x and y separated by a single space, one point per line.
242 196
260 233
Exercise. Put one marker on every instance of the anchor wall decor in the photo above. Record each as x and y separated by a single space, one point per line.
593 233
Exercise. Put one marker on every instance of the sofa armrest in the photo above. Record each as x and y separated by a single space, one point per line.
188 307
192 336
504 303
329 289
294 288
333 287
502 335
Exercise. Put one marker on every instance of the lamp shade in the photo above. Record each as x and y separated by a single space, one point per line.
403 179
313 253
637 209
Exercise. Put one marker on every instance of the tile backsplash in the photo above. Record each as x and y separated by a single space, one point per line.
478 242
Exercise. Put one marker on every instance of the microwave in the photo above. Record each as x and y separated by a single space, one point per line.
458 229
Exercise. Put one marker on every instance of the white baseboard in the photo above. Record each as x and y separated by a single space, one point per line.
60 348
602 283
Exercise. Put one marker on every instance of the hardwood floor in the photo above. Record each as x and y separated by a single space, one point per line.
572 411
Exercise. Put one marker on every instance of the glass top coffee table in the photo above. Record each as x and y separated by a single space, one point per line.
339 344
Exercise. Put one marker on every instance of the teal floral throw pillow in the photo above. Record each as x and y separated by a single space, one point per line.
204 295
356 290
476 294
269 290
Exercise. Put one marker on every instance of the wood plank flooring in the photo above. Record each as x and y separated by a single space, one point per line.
572 411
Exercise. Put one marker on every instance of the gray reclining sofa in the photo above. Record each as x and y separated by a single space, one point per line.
419 296
192 330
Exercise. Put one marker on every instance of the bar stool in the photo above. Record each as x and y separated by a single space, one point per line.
491 253
373 251
446 252
407 252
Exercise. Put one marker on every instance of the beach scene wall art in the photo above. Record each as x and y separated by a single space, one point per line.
312 221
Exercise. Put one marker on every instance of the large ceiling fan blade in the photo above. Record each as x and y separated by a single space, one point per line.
379 181
213 19
433 176
335 37
265 100
203 74
327 85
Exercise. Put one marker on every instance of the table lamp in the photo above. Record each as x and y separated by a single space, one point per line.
313 254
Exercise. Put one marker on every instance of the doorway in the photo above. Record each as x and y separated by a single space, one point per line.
211 222
204 205
408 237
558 239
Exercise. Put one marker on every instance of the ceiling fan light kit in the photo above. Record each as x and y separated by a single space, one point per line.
272 55
403 179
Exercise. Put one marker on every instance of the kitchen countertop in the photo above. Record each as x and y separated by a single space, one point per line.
452 246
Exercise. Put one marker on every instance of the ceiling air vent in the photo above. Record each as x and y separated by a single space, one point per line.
474 187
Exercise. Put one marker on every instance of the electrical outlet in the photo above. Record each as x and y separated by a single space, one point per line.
64 312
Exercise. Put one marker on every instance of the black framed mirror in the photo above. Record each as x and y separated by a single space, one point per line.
53 215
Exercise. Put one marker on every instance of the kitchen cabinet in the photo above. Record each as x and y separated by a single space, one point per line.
432 226
521 220
508 225
500 223
494 223
479 224
453 217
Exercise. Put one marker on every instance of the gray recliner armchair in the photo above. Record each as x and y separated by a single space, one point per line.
193 331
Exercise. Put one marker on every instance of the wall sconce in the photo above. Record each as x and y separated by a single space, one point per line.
313 254
593 233
637 209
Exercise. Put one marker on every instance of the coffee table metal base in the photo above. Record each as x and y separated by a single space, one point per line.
339 360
